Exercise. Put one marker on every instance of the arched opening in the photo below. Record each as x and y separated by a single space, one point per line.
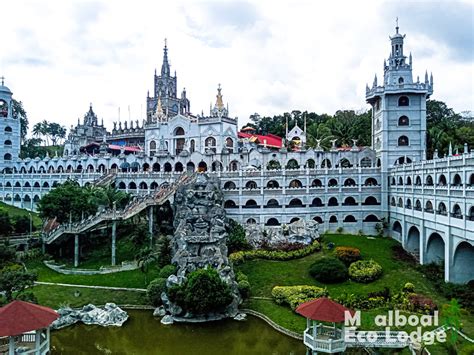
192 146
145 167
403 121
134 167
251 185
333 202
272 203
463 271
3 108
273 165
435 249
418 205
234 166
251 204
190 167
393 202
429 207
471 180
229 185
122 185
230 204
442 210
350 218
272 222
295 219
402 160
457 181
156 167
202 167
296 202
318 219
36 184
36 199
27 184
418 181
8 129
152 147
7 143
316 183
403 101
349 201
216 166
408 181
154 186
400 180
326 163
292 164
370 201
345 163
349 182
457 212
17 198
272 184
45 184
143 185
310 163
442 180
332 183
168 167
7 157
371 218
397 227
113 167
178 167
413 240
333 219
132 186
403 141
229 143
210 144
370 182
27 198
124 167
17 184
317 202
295 184
379 163
251 221
470 215
366 162
429 180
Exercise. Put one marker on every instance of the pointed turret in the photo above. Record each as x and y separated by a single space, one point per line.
165 67
426 76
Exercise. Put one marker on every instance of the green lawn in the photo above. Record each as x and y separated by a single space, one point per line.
57 296
15 211
134 278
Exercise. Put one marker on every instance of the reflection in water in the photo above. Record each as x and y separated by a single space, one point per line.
143 334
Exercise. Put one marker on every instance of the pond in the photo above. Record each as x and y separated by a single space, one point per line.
144 334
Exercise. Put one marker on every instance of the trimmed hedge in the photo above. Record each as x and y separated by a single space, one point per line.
154 291
365 271
348 255
166 271
241 256
329 270
295 295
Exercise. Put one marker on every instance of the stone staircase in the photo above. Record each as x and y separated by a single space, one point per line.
105 179
136 206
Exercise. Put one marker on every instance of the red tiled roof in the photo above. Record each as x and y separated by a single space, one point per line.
272 140
50 224
323 309
19 317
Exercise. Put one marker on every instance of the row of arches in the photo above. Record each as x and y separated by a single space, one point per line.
441 209
296 202
26 198
456 180
326 163
273 221
296 183
27 184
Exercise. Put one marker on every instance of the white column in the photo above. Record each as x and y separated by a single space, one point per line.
11 345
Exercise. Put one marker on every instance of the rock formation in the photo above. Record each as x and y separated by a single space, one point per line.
200 241
109 315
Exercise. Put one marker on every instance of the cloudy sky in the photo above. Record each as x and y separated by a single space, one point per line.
269 56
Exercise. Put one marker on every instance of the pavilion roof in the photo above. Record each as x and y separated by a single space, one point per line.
323 309
20 317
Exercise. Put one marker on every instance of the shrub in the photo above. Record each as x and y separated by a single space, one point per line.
283 246
420 303
295 295
203 292
400 254
240 256
244 288
385 293
27 296
347 255
361 301
328 270
408 287
340 230
154 291
240 276
236 240
166 271
365 271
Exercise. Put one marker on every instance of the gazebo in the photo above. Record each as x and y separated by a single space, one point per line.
24 327
317 336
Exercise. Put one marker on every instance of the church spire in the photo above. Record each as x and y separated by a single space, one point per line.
165 67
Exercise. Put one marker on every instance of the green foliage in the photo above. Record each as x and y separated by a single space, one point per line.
244 289
236 240
50 131
7 255
164 251
408 287
339 230
146 258
167 271
452 315
347 255
68 198
27 296
295 295
365 271
18 112
203 292
328 270
6 226
15 281
140 235
240 256
154 291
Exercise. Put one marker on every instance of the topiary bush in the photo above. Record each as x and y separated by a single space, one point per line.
329 270
295 295
167 271
365 271
203 292
243 284
348 255
154 291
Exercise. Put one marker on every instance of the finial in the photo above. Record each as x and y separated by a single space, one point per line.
90 105
396 28
3 80
166 43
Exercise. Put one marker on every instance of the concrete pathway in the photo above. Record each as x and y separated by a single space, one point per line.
90 286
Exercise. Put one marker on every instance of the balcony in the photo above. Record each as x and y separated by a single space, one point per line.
324 339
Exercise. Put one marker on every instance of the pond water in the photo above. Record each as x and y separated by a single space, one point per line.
144 334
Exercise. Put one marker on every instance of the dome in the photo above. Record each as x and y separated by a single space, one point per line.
4 89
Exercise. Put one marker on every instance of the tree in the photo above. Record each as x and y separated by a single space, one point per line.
67 199
21 224
19 112
146 258
5 223
110 195
55 131
236 240
13 282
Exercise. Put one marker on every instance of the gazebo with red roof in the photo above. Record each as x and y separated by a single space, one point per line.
317 336
25 326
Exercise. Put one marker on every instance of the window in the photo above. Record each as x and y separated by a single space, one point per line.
152 145
8 129
229 143
7 156
403 121
210 143
3 108
193 146
403 101
179 131
403 141
400 80
8 142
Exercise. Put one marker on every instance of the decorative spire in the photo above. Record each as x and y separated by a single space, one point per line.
410 59
219 102
375 81
431 79
165 68
396 28
450 149
426 76
3 80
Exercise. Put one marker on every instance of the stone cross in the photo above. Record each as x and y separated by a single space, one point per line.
3 80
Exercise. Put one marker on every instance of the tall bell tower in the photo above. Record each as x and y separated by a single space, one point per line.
10 129
398 109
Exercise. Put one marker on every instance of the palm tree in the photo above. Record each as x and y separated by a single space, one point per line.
145 258
110 195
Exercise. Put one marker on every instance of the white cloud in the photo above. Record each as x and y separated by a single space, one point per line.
269 57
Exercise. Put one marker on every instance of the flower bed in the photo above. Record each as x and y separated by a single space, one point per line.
240 256
295 295
365 271
348 255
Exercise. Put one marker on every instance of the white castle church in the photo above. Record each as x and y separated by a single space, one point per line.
428 204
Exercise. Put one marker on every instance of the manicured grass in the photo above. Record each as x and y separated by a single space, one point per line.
15 211
57 296
135 278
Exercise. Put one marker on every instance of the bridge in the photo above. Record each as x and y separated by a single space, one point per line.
137 205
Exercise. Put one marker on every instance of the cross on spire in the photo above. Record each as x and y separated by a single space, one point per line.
396 20
3 80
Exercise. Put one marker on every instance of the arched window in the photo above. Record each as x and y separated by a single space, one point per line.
370 182
349 201
292 164
202 166
272 222
333 219
310 164
296 202
333 202
408 204
442 209
251 185
316 183
317 202
230 204
251 204
418 181
429 180
393 181
272 184
192 148
429 207
332 183
400 80
272 204
366 162
179 131
3 108
408 181
7 156
392 201
8 142
168 167
273 165
457 180
251 221
371 218
178 167
403 121
457 213
318 219
229 143
471 180
350 218
132 186
403 141
8 129
156 167
295 184
400 202
234 165
403 101
143 186
349 182
229 185
400 180
345 163
152 146
370 201
418 205
210 144
326 163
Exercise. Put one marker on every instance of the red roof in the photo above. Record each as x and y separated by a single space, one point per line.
323 309
19 317
272 140
50 224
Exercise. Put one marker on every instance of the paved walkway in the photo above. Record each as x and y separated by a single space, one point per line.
89 286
